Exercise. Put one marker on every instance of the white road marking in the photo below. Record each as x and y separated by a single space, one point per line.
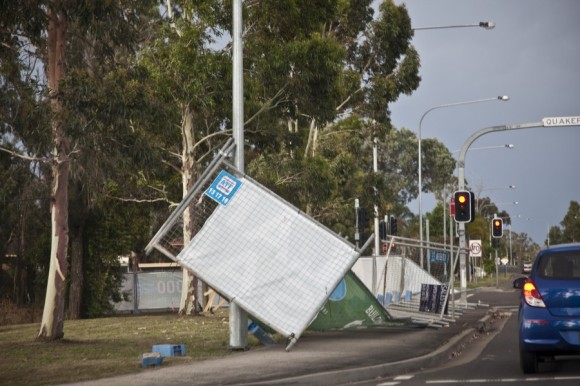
502 380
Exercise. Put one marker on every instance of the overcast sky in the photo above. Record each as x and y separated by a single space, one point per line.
532 56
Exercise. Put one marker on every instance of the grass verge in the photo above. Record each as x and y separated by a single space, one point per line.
96 348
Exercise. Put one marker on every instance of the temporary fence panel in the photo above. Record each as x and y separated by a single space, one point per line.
397 277
169 238
415 281
150 291
256 249
404 277
268 257
159 290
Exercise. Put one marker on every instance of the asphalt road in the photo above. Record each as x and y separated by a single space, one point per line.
368 356
492 359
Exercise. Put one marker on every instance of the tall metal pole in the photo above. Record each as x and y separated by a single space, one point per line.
419 157
356 224
482 24
488 25
238 322
461 186
376 210
511 255
445 203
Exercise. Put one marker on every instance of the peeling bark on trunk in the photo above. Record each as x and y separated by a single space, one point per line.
189 294
52 325
311 145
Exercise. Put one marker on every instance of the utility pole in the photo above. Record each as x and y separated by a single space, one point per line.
376 210
546 122
238 322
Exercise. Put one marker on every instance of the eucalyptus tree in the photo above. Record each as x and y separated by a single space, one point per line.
323 75
193 75
69 42
23 196
569 229
571 223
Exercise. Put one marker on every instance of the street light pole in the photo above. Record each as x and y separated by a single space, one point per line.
482 24
488 25
461 186
547 227
419 156
238 322
478 198
480 211
376 218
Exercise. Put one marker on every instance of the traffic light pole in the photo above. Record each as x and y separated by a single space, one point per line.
461 186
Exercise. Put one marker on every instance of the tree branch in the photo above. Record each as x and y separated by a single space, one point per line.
22 156
268 104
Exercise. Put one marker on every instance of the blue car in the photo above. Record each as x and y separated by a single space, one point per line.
549 313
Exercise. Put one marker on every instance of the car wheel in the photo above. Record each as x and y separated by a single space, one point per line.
528 362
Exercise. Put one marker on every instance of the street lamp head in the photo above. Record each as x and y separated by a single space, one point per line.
509 145
503 98
512 186
487 24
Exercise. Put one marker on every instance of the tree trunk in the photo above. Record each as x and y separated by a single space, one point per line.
20 271
52 325
76 273
189 294
311 145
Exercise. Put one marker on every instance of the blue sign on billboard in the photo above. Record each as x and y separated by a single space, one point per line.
436 256
223 188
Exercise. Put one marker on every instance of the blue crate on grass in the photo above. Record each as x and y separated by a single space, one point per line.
151 359
169 350
259 333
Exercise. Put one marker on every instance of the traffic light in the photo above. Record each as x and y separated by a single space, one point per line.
464 208
363 220
393 225
383 230
497 227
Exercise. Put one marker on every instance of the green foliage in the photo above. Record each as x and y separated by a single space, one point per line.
318 79
113 229
437 165
570 226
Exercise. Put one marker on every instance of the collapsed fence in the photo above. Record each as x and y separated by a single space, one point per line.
279 265
414 279
256 249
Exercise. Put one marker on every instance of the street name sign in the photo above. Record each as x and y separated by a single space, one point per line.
561 121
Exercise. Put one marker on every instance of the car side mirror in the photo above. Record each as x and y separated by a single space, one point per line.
519 282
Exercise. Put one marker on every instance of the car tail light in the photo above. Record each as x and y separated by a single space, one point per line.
532 295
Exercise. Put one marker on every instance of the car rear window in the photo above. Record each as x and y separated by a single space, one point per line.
562 265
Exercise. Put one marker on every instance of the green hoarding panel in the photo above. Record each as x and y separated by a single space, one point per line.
352 305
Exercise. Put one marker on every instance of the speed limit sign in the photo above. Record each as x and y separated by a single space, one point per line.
475 248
